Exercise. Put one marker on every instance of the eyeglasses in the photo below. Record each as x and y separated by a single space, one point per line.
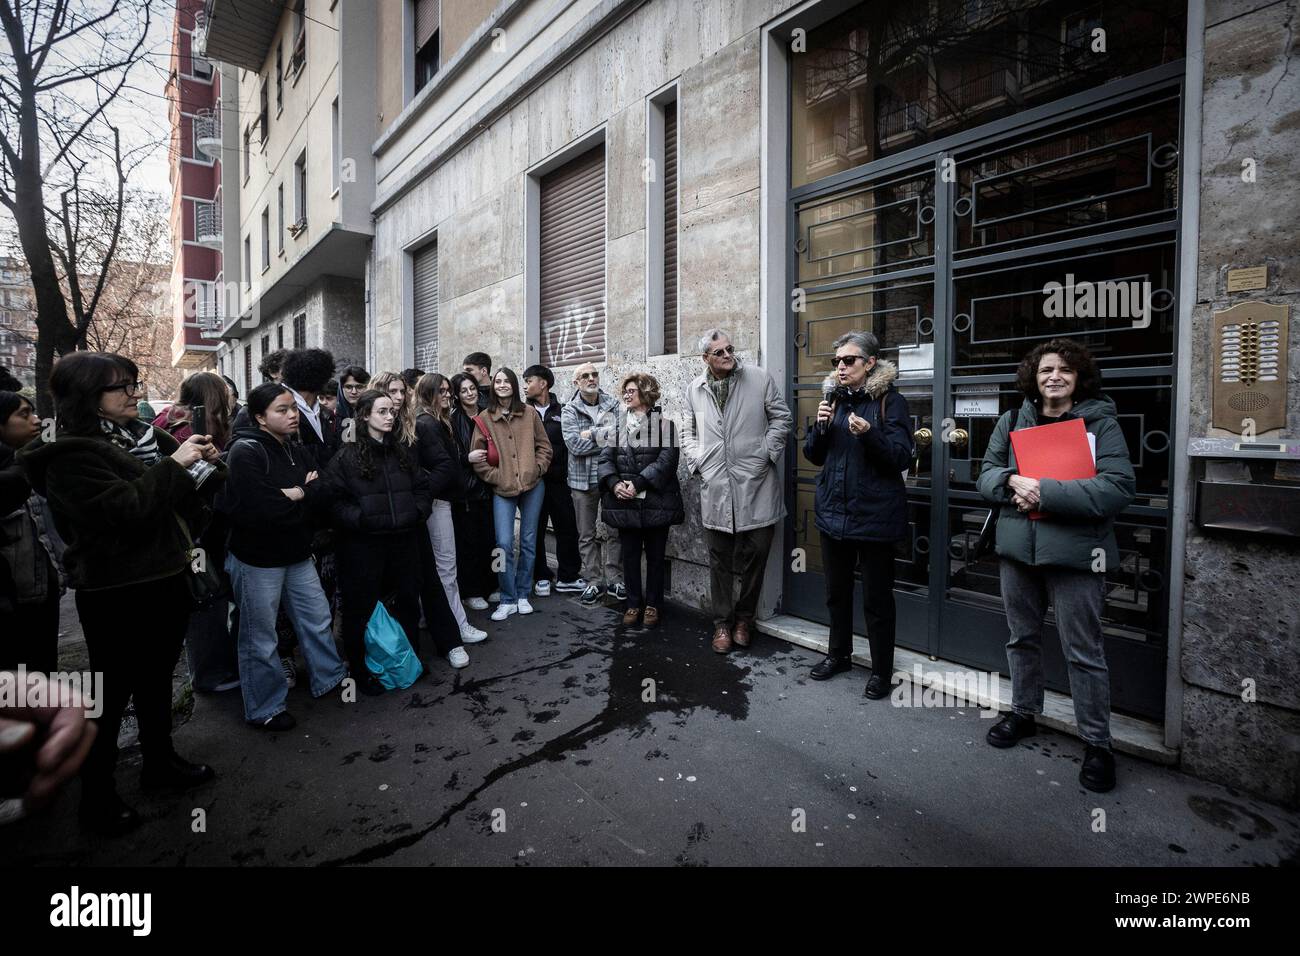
589 375
718 353
129 388
847 360
631 390
354 387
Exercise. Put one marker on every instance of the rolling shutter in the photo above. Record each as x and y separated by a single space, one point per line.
425 325
572 262
670 229
426 21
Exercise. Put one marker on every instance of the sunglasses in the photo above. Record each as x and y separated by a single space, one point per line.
847 360
718 353
589 375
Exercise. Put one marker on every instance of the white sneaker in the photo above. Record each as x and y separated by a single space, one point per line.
542 588
469 634
503 611
494 597
476 604
457 657
524 606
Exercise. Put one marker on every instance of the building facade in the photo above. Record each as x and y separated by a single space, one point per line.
299 183
17 321
194 103
605 180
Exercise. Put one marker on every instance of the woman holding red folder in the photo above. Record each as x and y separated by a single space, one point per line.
1060 557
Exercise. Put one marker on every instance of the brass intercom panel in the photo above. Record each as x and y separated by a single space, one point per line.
1250 365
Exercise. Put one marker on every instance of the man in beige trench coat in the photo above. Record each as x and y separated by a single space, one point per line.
734 432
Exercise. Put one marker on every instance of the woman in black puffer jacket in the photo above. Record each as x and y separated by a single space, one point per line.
380 499
640 494
863 443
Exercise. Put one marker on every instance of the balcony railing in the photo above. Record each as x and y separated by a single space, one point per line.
200 42
897 118
207 224
207 316
207 132
975 93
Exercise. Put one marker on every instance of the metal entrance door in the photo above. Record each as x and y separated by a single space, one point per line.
944 252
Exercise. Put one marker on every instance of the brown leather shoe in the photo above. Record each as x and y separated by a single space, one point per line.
631 616
721 639
652 617
741 634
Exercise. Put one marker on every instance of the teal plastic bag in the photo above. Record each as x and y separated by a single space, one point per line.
388 653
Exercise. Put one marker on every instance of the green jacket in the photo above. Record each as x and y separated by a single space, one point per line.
118 517
1078 516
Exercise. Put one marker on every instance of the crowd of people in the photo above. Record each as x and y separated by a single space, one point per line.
259 532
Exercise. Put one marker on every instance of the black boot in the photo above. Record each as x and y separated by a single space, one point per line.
104 812
1011 728
1098 771
172 772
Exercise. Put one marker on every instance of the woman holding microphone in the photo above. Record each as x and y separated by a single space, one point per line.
863 442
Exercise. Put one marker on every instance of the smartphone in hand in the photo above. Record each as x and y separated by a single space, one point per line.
199 419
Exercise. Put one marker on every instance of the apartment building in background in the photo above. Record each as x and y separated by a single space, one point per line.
17 320
299 179
194 95
605 180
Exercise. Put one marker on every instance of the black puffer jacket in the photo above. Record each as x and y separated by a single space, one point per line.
395 497
267 528
861 494
646 455
437 456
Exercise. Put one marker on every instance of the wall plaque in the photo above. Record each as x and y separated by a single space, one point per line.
1244 280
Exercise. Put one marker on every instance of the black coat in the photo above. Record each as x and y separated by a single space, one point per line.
392 500
437 456
118 515
462 434
268 529
558 471
648 459
861 495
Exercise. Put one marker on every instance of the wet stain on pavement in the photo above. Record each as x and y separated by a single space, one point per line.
647 675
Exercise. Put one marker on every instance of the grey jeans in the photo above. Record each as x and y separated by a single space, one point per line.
1078 598
586 504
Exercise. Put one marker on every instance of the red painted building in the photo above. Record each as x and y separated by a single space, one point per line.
194 97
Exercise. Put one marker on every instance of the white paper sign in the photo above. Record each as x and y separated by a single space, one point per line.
976 405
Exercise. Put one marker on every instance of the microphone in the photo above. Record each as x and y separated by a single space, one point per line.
829 388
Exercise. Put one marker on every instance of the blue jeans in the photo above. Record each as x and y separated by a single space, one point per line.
258 592
516 577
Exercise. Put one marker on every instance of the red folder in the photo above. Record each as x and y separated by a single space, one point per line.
1059 450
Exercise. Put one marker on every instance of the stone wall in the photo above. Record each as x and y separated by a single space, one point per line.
1242 600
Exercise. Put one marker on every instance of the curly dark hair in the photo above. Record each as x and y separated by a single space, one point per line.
361 447
1076 355
307 370
272 363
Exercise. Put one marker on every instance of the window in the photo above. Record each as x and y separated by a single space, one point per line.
279 336
336 145
266 347
279 205
248 368
266 238
424 323
426 39
300 330
200 67
279 76
299 194
248 261
571 261
299 56
263 112
248 153
661 225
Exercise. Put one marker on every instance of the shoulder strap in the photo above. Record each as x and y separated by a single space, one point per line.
266 459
